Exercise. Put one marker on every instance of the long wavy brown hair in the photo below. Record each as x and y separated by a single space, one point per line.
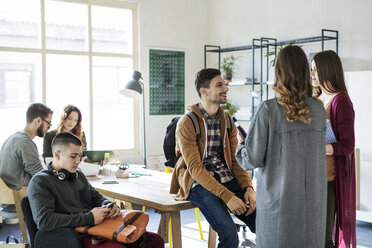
292 83
330 72
77 130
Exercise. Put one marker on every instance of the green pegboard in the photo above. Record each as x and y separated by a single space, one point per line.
167 81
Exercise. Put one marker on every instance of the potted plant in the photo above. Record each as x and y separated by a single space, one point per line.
228 66
229 108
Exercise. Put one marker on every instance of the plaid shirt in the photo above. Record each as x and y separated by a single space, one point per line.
214 160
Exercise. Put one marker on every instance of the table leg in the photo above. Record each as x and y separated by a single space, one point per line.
163 226
211 238
176 229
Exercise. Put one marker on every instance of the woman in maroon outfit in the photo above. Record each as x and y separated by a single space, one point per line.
328 79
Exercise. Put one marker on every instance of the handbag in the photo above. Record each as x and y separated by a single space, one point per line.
127 228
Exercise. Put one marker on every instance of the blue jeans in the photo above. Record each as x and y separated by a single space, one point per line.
216 212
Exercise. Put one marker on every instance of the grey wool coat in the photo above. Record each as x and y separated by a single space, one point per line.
291 177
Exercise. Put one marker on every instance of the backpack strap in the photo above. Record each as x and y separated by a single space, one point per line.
228 122
195 122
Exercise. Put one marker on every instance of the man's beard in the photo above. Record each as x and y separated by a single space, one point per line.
218 101
40 132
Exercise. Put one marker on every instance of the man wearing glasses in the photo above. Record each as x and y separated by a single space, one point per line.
19 158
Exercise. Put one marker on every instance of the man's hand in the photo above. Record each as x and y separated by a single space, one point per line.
250 199
114 211
237 206
99 214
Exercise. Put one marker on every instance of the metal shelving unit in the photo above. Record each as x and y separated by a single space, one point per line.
264 44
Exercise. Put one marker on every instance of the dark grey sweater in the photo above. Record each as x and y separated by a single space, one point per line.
57 204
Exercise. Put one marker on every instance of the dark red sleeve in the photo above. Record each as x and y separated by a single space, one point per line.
343 125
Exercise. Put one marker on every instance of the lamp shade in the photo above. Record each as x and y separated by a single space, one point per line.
133 88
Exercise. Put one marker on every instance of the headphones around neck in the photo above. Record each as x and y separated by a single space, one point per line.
62 174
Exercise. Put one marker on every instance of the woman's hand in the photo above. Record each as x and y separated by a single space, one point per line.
329 149
240 139
250 199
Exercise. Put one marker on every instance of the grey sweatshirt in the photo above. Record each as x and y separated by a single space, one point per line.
58 204
19 160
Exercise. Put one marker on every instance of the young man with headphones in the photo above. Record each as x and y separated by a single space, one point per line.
61 198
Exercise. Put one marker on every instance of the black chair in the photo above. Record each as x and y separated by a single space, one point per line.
58 242
30 223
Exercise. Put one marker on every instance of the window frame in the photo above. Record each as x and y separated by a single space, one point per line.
90 54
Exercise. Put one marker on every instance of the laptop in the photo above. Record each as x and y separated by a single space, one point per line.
96 156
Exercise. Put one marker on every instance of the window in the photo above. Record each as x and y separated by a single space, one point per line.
78 52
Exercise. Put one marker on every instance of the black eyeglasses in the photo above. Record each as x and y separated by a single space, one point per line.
50 124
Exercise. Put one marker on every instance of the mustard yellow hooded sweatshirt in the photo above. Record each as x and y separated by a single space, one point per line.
192 155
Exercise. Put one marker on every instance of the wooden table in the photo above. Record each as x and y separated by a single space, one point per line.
150 191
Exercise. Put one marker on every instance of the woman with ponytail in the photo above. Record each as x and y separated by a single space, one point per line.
286 143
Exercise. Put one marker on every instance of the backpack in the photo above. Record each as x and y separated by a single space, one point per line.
169 145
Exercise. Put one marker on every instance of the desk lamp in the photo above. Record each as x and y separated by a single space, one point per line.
134 89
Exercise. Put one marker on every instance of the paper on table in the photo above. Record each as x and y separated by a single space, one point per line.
330 135
89 169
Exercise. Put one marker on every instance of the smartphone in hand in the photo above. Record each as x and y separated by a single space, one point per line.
110 205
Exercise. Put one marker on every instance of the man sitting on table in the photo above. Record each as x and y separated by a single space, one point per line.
207 173
61 199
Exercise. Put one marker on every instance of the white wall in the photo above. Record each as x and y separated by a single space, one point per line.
190 24
359 85
175 25
235 23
